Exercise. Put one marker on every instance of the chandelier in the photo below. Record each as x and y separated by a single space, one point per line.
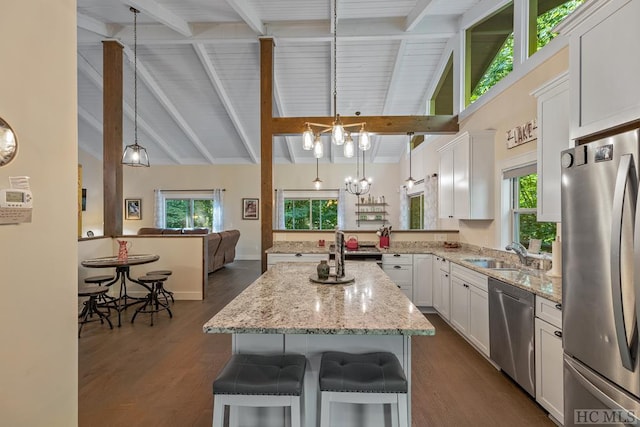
357 186
134 154
340 133
410 181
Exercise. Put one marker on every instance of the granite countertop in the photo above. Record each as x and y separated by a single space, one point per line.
284 301
531 280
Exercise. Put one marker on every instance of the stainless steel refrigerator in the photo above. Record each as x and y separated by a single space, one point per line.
601 281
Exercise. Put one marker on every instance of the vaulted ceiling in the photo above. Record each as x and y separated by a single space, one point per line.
199 74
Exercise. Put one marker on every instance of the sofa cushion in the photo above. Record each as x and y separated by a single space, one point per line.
171 231
150 230
195 230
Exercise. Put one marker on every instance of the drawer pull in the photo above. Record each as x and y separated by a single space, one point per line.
399 287
446 275
396 255
559 306
397 266
558 334
298 254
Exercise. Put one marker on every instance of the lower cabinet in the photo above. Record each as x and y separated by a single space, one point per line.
470 306
549 363
441 286
295 257
423 280
399 268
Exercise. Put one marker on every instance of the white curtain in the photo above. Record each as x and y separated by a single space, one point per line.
342 207
431 202
158 213
218 210
404 209
279 210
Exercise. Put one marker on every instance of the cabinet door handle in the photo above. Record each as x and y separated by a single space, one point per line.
397 266
446 275
298 254
450 216
558 334
559 306
399 287
396 255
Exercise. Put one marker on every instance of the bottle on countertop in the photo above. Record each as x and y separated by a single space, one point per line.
323 270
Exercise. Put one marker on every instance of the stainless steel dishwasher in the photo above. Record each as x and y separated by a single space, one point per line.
511 332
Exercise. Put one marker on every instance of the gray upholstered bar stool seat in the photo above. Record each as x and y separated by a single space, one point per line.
260 380
162 291
365 379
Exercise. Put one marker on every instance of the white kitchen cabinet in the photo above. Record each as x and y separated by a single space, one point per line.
553 138
605 89
423 280
399 268
466 176
549 374
548 354
295 257
441 286
470 306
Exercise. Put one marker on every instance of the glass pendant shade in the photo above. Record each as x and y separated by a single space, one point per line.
135 155
337 132
410 182
318 149
317 183
349 147
307 139
365 140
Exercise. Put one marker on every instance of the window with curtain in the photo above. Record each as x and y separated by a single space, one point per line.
524 203
187 209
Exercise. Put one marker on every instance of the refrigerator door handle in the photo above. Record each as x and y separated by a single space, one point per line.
598 388
625 169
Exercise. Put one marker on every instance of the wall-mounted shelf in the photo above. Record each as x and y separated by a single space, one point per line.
371 212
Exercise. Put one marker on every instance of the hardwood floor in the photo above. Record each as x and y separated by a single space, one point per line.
139 375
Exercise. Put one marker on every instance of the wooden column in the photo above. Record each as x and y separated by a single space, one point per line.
112 136
266 146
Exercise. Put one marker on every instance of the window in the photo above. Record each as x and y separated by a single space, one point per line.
545 15
489 53
187 209
416 211
308 213
524 202
442 100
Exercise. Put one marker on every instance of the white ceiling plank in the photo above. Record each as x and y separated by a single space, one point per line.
91 121
95 26
161 14
417 14
96 78
224 97
352 30
248 14
173 111
280 107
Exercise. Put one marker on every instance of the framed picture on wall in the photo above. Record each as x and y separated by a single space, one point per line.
132 209
250 208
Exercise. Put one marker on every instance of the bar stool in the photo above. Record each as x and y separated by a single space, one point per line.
260 380
362 378
104 300
162 291
91 306
151 303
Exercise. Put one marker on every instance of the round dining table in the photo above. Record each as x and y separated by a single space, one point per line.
122 267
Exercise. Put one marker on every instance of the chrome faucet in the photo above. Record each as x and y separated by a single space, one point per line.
520 250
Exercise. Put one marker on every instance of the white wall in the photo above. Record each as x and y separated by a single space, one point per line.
39 350
92 175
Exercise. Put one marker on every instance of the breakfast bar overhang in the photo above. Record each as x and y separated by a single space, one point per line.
283 311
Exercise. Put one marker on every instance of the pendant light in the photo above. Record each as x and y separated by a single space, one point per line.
135 154
357 186
317 183
410 181
318 148
348 148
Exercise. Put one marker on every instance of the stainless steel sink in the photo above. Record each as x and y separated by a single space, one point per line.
492 263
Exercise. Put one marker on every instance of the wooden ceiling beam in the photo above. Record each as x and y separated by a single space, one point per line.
381 125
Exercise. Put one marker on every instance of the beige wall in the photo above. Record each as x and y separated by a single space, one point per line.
513 107
38 373
92 181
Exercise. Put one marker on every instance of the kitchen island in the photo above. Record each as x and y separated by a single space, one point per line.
283 311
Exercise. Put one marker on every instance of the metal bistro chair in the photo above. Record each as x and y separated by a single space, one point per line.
163 291
91 306
151 303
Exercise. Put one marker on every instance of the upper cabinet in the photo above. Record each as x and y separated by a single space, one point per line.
553 137
466 176
604 69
